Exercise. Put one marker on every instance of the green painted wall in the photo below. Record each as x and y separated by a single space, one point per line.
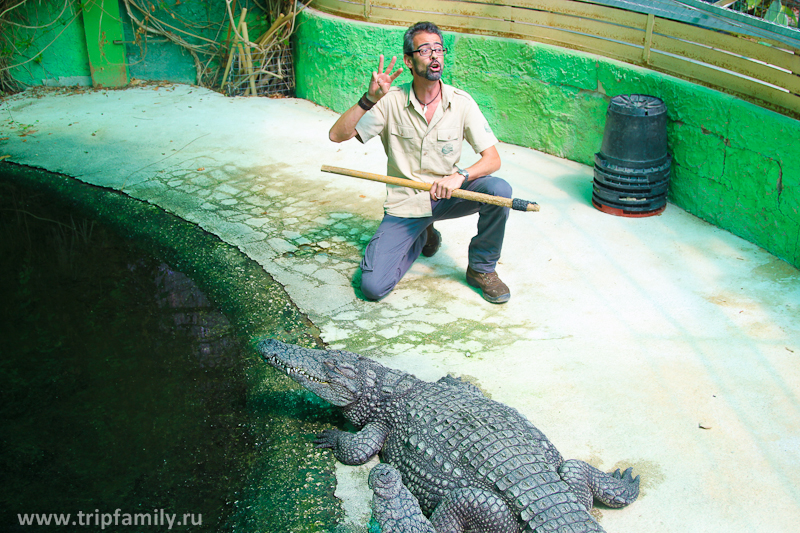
735 164
51 55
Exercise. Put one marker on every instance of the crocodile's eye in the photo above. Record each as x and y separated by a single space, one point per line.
347 371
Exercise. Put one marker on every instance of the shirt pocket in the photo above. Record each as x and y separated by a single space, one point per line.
406 132
402 142
448 144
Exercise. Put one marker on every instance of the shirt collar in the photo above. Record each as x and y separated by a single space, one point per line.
447 94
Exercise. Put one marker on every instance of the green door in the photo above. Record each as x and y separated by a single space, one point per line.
103 27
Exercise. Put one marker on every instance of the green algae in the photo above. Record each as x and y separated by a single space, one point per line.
287 485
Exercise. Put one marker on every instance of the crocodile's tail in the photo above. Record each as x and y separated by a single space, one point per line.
588 483
544 501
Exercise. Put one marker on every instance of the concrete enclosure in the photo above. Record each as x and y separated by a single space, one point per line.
662 343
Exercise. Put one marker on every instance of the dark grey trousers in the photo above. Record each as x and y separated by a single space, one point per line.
398 241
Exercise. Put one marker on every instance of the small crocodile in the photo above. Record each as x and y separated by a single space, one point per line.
393 505
473 464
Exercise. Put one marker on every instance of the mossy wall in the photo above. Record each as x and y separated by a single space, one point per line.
53 51
735 165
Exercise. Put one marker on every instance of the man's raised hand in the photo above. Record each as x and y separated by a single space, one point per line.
381 81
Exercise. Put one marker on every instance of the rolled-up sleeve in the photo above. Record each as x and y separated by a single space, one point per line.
372 123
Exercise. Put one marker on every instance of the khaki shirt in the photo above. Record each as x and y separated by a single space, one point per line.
420 151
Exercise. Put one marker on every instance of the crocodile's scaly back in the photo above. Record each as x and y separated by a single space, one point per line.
383 392
454 438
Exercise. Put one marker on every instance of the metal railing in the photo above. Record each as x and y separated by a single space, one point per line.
757 68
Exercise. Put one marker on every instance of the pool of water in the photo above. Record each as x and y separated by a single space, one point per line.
125 388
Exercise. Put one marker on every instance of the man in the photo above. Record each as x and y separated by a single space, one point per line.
422 126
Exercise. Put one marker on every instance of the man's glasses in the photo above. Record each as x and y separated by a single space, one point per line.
426 51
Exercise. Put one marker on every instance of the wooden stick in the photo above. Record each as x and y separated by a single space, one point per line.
278 22
228 38
242 67
516 203
233 44
249 60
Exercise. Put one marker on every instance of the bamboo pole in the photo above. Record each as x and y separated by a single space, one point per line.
241 64
274 28
266 41
249 60
515 203
233 44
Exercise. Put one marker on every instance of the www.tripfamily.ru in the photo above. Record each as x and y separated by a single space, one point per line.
117 518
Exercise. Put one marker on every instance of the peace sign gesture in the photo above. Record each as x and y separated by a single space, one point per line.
381 81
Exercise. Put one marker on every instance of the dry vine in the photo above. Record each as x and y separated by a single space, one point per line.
209 43
264 65
142 14
209 54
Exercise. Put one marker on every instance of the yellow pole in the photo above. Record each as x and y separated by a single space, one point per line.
517 204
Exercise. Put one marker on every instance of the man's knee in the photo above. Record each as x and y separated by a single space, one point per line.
496 187
373 287
501 188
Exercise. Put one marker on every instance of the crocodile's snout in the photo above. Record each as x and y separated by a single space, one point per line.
328 374
272 347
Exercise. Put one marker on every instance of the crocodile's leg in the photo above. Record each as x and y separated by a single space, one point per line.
589 483
393 506
354 448
473 509
458 382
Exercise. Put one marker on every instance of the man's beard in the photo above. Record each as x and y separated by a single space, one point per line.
427 74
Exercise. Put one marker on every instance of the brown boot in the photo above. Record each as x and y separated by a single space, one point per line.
494 290
433 242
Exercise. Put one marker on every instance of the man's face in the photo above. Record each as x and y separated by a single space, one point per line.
429 67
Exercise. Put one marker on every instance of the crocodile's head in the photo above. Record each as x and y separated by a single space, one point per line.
332 375
385 481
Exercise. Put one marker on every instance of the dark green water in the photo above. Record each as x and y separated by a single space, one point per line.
124 388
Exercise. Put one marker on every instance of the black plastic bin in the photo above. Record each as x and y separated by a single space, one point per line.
632 169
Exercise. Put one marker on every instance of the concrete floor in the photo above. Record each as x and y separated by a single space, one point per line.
662 343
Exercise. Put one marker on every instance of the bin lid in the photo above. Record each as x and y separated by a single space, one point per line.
638 105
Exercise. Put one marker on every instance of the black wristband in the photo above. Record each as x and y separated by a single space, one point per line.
365 103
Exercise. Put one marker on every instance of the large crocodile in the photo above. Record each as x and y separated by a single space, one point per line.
474 465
